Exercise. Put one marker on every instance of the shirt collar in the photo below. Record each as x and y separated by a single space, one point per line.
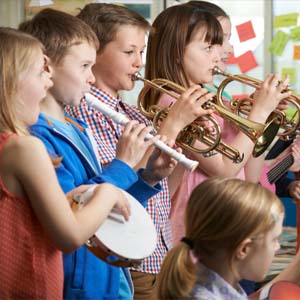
106 97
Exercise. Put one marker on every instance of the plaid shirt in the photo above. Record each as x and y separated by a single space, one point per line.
107 134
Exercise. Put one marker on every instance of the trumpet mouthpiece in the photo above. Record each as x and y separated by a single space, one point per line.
217 71
136 76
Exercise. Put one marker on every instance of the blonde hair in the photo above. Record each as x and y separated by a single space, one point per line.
17 54
219 212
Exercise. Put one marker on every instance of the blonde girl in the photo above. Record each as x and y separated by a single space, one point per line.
232 231
36 217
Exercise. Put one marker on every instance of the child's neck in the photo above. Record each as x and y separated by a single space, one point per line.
53 108
224 270
100 84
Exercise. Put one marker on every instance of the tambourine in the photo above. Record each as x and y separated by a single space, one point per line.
122 243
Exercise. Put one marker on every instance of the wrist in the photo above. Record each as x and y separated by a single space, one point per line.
258 116
150 177
170 129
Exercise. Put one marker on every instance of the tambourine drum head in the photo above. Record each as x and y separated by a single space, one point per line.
132 240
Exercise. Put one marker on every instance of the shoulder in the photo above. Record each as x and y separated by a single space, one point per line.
24 145
22 151
201 293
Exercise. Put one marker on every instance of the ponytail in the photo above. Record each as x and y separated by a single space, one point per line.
178 274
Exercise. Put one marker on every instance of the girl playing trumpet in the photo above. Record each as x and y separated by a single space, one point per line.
192 61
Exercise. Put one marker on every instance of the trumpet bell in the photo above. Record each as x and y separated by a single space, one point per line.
266 138
260 134
289 122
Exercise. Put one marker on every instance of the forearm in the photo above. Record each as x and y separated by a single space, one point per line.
254 168
175 179
220 165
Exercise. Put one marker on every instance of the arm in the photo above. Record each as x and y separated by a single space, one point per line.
35 173
159 166
294 189
74 169
254 168
266 101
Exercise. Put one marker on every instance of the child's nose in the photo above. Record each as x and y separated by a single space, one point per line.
216 55
91 78
138 61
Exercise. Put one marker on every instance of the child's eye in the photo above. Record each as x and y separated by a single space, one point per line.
209 48
85 65
129 52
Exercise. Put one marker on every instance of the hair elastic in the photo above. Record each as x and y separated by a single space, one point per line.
188 242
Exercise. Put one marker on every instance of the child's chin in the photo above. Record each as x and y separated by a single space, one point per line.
77 102
33 121
129 84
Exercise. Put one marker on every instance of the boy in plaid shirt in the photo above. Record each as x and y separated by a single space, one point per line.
121 33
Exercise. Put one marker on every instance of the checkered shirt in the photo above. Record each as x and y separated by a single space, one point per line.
107 134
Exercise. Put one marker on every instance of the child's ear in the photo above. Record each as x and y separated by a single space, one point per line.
47 65
244 249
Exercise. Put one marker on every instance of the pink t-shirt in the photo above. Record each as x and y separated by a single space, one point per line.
192 179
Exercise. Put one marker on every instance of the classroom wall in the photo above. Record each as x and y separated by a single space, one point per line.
12 12
259 15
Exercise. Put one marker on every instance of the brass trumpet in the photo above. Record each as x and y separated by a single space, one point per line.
191 133
288 126
260 134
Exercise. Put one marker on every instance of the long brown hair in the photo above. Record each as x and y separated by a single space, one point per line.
212 8
219 212
173 30
17 54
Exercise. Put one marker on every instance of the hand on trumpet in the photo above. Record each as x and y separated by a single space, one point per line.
268 96
187 108
133 145
283 104
207 124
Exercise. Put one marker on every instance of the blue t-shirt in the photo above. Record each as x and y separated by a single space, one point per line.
124 291
68 129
